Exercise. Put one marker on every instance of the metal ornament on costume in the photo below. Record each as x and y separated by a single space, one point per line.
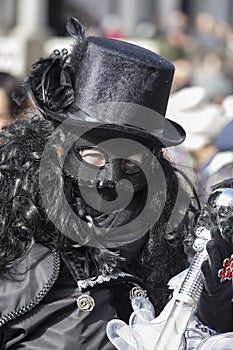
220 204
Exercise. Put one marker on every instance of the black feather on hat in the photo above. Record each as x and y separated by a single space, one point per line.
116 86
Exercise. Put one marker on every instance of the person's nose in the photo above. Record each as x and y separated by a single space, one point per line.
110 175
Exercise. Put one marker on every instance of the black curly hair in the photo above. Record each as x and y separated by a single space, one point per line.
22 218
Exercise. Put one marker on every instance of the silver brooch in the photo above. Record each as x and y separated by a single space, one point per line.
137 292
85 302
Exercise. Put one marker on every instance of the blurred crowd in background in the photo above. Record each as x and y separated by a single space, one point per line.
201 50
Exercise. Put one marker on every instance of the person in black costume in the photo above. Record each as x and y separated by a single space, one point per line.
71 254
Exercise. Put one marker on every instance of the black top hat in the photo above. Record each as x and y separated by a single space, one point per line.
115 83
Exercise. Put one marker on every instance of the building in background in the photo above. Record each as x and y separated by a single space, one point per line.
26 25
36 14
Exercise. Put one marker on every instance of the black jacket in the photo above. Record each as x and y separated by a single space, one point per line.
40 305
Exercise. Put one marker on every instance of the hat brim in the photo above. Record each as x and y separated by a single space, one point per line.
172 135
165 134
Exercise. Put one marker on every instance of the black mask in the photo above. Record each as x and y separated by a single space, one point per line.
109 191
102 176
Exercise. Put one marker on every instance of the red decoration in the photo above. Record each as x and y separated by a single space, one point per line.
226 273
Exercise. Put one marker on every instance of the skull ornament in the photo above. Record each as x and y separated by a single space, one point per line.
221 204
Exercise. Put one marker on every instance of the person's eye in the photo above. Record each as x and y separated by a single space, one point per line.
93 157
128 164
132 164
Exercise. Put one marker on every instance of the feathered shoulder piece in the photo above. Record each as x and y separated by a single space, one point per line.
50 83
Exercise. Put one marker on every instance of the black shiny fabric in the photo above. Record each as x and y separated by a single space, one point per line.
57 323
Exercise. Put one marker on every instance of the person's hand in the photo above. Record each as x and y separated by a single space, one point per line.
214 307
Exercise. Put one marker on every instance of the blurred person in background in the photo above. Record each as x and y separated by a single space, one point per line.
199 53
204 31
9 109
209 57
209 73
202 120
174 40
183 74
223 33
220 165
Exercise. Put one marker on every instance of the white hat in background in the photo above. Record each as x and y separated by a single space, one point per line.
228 107
201 119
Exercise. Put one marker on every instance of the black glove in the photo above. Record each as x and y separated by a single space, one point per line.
214 307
